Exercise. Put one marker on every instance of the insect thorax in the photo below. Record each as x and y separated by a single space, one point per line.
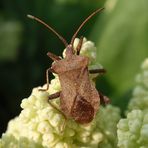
69 64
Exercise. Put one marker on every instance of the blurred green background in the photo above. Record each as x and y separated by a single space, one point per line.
120 33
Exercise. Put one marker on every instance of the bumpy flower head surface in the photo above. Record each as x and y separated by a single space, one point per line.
40 125
140 93
133 131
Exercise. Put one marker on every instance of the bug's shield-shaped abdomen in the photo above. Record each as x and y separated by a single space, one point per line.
82 112
79 98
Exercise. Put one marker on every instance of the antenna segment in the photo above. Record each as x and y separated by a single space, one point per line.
83 23
50 28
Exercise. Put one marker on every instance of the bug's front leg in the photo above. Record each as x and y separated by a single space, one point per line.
47 79
54 58
94 71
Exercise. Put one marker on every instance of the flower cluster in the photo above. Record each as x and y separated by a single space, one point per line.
140 93
41 125
133 130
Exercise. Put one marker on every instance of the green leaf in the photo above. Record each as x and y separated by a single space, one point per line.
122 41
9 40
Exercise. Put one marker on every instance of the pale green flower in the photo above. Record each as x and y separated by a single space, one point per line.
40 125
140 93
88 49
133 130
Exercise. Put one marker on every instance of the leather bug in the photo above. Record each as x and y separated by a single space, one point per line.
79 98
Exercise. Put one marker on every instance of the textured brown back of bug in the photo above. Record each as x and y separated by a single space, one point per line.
79 98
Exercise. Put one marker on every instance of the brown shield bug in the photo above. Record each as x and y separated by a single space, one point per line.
79 98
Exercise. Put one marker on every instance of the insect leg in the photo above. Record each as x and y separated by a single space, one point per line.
103 99
93 71
53 56
78 48
53 96
47 79
65 118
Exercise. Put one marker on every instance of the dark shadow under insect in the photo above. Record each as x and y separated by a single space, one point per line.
79 98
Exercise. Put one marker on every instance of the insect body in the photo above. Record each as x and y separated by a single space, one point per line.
79 99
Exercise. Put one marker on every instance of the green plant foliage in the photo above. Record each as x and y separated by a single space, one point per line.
140 92
83 2
121 38
10 38
133 130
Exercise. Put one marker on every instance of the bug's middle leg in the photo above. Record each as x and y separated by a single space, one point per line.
100 71
104 100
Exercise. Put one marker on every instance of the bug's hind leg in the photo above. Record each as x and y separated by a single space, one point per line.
78 48
104 100
47 79
54 96
100 71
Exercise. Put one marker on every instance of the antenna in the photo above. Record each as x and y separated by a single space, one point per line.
50 28
83 23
